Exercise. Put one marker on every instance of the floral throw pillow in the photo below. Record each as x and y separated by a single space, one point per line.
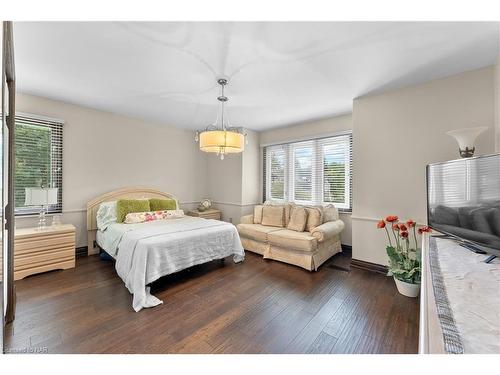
143 217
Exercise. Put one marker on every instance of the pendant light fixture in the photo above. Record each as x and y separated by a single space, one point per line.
222 139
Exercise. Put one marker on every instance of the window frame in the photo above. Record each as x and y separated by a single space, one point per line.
317 172
56 127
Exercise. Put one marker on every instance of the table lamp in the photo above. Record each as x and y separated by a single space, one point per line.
43 197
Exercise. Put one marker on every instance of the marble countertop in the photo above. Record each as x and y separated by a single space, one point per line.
473 289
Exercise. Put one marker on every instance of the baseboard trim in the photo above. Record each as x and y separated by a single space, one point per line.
347 249
81 251
368 266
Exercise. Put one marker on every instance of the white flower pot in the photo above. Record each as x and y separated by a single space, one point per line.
407 289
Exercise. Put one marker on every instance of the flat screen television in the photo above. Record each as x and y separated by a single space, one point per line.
463 201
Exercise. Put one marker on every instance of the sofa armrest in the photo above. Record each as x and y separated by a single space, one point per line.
247 219
328 230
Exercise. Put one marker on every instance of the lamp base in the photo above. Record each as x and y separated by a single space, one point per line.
42 220
467 153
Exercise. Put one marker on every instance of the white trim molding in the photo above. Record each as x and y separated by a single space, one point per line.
236 204
308 138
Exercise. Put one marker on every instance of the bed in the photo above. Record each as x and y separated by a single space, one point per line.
144 252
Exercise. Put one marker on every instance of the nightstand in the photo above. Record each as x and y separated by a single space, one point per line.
208 214
37 251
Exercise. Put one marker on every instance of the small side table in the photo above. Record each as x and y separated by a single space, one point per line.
36 251
211 213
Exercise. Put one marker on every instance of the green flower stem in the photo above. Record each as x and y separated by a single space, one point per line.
388 237
415 235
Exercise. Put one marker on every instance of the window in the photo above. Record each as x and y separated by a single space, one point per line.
38 152
277 157
310 172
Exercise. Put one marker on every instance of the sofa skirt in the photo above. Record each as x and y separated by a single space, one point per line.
305 259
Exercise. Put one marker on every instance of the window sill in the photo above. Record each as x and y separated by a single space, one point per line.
346 212
28 216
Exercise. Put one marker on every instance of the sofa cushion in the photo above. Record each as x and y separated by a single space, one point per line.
330 213
446 215
290 239
314 218
495 221
256 232
257 214
286 206
273 216
480 219
288 212
464 217
298 219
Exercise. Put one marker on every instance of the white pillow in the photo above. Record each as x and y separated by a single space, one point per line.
143 217
106 215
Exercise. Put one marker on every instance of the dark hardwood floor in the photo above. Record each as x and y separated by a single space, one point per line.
258 306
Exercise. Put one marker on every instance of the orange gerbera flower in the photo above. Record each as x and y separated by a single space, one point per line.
381 224
424 230
391 218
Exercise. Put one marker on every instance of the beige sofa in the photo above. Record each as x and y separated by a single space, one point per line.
306 249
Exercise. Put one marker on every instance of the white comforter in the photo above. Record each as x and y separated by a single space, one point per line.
159 248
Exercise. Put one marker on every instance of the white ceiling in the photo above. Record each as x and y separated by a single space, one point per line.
280 72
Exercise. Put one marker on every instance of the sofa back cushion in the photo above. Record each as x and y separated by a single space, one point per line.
257 214
446 215
298 219
464 216
495 221
273 216
287 207
481 218
330 213
314 218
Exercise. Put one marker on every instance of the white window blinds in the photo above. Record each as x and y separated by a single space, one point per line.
316 171
38 152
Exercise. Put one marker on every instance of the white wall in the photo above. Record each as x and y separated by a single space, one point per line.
497 105
396 134
311 130
233 183
103 151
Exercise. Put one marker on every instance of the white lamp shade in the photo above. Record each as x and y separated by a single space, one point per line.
40 196
466 137
222 141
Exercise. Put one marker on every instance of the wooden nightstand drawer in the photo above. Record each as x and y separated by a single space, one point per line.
208 214
44 250
43 243
45 257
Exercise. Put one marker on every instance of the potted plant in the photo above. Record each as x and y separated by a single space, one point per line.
404 256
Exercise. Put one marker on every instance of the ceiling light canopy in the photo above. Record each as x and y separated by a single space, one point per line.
222 139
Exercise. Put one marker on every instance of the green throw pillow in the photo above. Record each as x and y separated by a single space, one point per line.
162 204
126 206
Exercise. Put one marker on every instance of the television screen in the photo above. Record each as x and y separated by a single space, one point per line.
463 200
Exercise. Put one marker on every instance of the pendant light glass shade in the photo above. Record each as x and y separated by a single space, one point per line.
466 139
222 141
